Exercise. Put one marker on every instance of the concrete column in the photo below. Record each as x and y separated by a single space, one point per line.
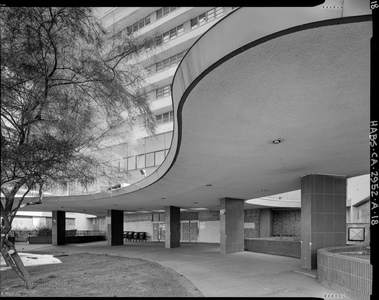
323 215
231 225
265 222
172 238
115 227
58 227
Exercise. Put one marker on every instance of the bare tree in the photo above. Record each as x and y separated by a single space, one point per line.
65 84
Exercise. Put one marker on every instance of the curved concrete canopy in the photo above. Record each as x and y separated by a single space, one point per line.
298 74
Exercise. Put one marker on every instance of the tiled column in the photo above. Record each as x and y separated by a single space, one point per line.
231 225
323 215
58 227
172 238
265 222
115 227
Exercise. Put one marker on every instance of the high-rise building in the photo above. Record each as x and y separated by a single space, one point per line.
175 29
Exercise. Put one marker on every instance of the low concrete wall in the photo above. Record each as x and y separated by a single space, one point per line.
40 240
346 274
84 239
272 246
68 239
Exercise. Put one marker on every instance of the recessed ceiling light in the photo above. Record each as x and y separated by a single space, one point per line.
277 141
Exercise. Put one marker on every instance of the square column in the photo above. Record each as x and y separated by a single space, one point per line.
58 228
231 225
115 227
172 238
265 222
323 215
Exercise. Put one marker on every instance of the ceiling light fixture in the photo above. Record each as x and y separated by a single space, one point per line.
264 190
208 184
277 141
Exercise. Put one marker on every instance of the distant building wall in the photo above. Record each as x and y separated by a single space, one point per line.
251 223
287 222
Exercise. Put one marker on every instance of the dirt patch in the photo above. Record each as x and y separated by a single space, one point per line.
96 275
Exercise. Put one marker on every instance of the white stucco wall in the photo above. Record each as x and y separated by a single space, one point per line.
140 226
209 231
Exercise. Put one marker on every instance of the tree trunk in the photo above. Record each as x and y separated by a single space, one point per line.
12 258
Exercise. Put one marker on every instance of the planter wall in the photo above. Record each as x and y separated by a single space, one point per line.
277 247
349 275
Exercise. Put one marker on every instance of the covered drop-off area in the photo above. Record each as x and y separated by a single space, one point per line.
268 100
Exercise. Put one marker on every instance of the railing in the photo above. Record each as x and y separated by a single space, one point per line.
75 232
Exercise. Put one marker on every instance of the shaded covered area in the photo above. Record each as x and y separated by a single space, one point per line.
265 102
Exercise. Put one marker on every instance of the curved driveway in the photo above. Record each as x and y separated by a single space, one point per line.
244 274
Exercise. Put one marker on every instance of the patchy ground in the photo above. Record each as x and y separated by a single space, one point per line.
96 275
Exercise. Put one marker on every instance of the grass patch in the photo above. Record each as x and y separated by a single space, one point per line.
96 275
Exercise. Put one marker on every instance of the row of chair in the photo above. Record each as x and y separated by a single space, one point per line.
134 236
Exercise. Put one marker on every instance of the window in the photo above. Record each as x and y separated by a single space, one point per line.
206 17
166 10
219 11
160 66
166 91
169 62
158 40
159 13
172 33
135 27
138 25
165 118
180 29
140 161
159 93
147 20
159 157
148 71
210 15
163 91
166 37
150 160
132 163
166 63
179 56
194 23
172 60
202 19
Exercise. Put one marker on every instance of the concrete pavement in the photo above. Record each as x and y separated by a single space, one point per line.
244 274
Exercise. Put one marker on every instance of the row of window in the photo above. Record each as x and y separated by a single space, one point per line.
208 16
169 35
146 20
163 91
169 62
152 159
165 118
138 25
164 11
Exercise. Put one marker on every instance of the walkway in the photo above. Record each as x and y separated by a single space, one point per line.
245 274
